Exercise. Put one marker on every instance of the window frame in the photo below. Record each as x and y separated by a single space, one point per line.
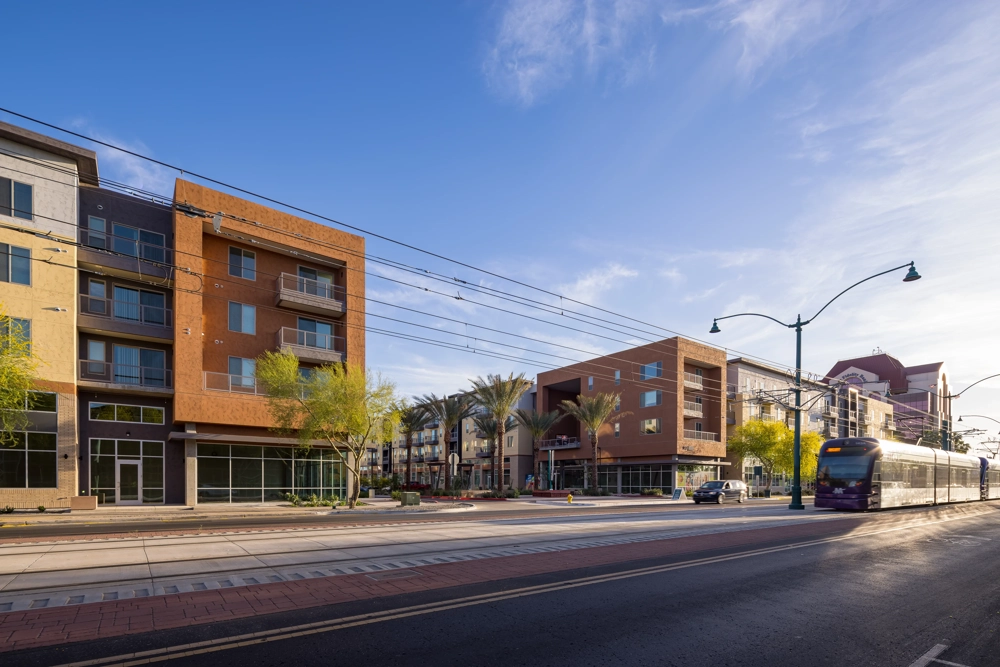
242 318
644 431
91 404
10 251
243 270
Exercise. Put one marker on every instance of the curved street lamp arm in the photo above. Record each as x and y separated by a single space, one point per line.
755 315
988 377
852 287
982 416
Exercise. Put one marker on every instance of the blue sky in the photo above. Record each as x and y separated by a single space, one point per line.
671 161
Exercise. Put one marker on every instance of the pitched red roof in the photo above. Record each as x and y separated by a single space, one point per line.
885 366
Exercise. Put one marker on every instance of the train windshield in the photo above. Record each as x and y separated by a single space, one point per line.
844 467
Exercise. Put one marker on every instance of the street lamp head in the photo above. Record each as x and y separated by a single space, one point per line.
960 418
715 327
912 274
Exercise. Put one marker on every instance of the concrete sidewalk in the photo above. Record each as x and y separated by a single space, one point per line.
212 512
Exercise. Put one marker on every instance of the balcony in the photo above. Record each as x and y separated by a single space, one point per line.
693 381
559 443
484 454
862 418
701 435
233 384
125 251
314 347
831 411
431 441
124 377
310 296
431 458
692 409
126 318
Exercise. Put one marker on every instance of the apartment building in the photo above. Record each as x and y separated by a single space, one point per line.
250 279
674 435
39 179
917 394
759 391
477 453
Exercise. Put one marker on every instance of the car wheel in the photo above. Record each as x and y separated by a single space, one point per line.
697 502
721 498
742 498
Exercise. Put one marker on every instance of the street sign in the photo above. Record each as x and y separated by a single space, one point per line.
453 460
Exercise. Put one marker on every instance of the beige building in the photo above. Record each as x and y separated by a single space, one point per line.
39 179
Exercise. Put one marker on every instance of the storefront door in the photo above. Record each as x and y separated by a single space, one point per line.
128 483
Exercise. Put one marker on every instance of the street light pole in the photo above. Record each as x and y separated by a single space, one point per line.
796 503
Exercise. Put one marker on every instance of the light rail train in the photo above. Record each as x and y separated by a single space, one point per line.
871 474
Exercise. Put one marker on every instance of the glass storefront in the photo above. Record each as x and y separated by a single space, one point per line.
692 476
632 478
254 474
126 471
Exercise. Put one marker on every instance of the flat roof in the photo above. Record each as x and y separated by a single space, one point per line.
86 160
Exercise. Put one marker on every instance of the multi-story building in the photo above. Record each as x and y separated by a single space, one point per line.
148 317
675 433
477 457
917 394
39 178
758 391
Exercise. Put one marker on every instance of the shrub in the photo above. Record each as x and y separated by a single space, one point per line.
492 494
293 499
41 508
651 492
7 510
689 493
396 495
595 492
512 493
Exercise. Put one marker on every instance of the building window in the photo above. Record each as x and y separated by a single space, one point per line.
242 263
242 371
96 236
510 441
653 370
15 264
17 328
135 305
141 366
28 461
618 377
648 399
699 372
242 318
618 429
40 401
590 383
649 426
697 426
133 414
250 473
16 199
618 402
127 470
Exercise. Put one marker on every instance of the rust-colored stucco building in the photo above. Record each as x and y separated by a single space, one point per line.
675 432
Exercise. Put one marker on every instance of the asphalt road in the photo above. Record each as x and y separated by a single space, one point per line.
888 597
12 530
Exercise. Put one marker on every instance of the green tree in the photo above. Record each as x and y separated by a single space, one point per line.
18 375
594 412
412 419
348 407
488 425
785 459
538 424
761 441
449 411
498 396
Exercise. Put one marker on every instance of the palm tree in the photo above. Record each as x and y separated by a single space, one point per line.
412 419
449 411
538 424
594 412
498 396
488 426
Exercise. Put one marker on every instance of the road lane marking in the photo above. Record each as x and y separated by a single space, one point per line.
318 627
929 657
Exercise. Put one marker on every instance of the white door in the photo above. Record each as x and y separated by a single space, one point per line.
128 483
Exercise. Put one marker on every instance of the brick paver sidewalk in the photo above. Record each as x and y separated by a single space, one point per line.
47 627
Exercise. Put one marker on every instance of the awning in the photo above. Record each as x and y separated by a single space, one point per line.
243 439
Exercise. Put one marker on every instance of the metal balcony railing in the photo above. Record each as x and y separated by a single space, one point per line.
290 336
431 458
124 311
559 443
122 245
483 453
700 435
831 410
109 373
317 288
693 381
234 384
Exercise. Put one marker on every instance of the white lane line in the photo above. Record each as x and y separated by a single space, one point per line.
945 662
929 657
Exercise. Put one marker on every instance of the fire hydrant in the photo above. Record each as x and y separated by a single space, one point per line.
569 498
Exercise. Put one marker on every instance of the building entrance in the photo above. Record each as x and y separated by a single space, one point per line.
128 482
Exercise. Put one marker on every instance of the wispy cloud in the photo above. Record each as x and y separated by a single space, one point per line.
541 44
593 284
124 168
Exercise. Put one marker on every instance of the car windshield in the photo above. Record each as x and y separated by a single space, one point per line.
712 485
842 471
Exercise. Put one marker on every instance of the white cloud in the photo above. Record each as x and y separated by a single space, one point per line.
592 285
133 171
541 44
